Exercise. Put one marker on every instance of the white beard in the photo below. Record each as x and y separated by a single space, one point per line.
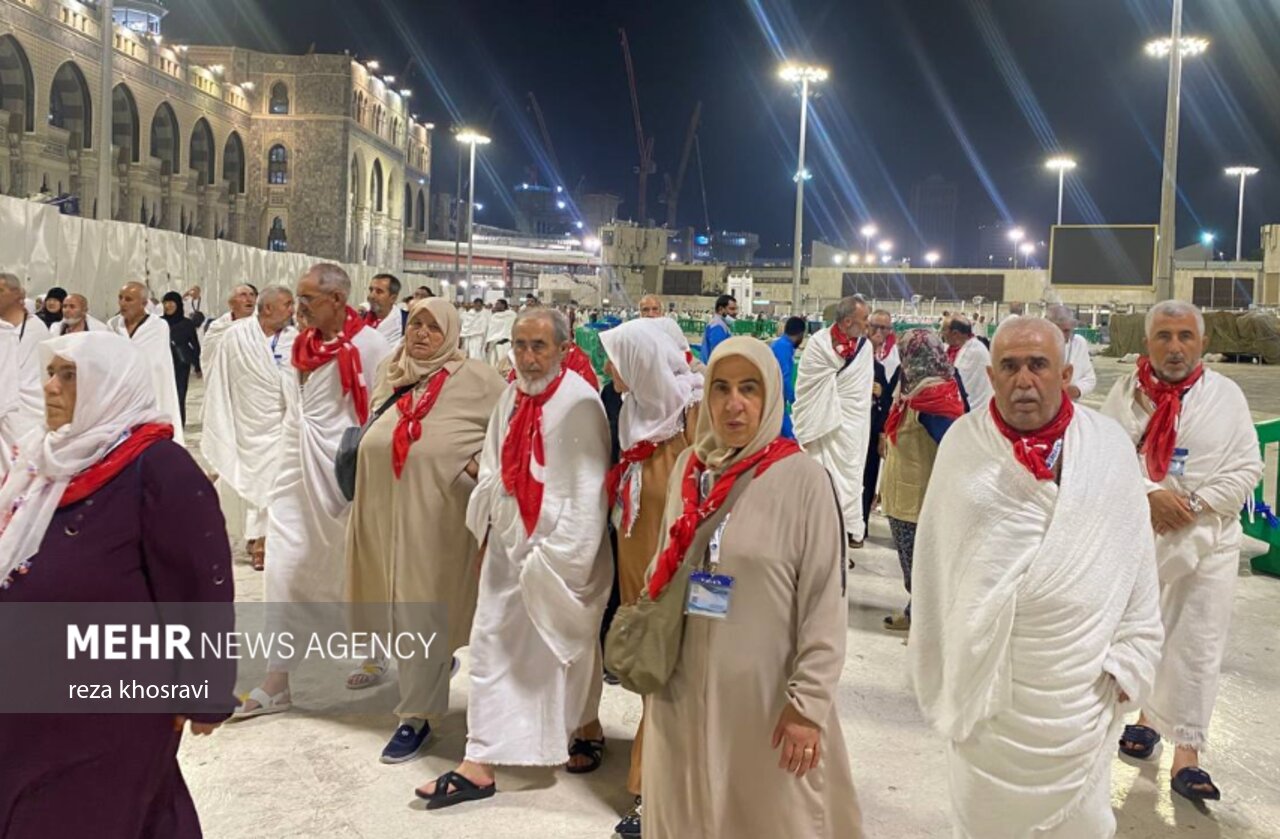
535 387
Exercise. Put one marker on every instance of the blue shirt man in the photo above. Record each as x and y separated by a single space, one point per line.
721 326
784 349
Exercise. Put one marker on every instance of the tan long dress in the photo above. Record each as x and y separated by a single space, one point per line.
709 767
407 541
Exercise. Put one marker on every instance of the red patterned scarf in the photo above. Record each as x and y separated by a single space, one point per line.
1161 436
942 399
311 352
96 476
523 448
409 427
683 529
887 347
845 346
620 478
1041 449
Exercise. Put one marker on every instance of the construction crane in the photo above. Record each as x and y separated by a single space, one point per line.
556 172
672 194
645 146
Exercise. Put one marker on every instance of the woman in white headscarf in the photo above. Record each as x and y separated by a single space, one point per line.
745 738
407 540
101 507
659 412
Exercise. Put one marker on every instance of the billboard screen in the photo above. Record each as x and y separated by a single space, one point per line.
1103 255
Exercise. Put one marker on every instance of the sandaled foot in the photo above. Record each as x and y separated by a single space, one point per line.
260 703
367 674
1139 741
1194 784
897 623
453 788
630 824
590 753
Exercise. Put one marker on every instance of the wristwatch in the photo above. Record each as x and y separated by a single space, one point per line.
1194 502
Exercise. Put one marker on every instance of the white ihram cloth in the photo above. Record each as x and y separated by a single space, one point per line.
94 325
832 417
1032 605
1083 377
21 384
971 363
475 326
212 337
113 396
392 328
1198 564
307 514
892 361
499 329
152 338
244 406
535 651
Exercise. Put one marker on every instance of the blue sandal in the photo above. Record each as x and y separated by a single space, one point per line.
1186 781
1138 741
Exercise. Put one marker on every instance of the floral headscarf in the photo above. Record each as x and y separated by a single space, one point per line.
924 356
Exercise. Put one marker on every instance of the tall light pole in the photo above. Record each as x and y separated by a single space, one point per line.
1027 249
805 75
1016 235
472 139
867 231
1176 48
1243 173
1061 165
932 258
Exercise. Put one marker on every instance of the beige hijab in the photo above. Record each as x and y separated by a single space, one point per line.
707 445
406 370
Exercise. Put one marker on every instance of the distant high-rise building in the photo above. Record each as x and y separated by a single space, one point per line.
934 203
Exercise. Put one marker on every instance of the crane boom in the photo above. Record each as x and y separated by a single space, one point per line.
546 137
673 187
645 147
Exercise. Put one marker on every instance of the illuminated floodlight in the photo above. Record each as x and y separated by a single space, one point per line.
673 256
560 205
803 174
474 138
1191 47
591 243
406 92
578 225
1027 248
1017 234
1207 238
853 259
932 258
802 73
1242 171
1060 164
373 65
885 246
838 259
869 230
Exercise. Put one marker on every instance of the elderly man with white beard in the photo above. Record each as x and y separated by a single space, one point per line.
540 507
150 334
1199 456
1035 619
832 412
76 318
244 405
327 387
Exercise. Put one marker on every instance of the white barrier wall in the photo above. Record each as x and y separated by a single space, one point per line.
94 258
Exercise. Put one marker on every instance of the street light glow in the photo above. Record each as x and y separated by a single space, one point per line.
591 243
838 258
803 174
1017 234
1028 248
1060 164
932 258
1242 171
885 246
1191 47
472 138
1206 239
405 92
869 230
802 73
373 65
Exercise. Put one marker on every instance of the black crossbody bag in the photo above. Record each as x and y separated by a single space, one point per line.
344 465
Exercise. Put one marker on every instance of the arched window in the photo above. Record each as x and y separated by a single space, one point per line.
276 238
375 187
421 214
233 164
164 139
70 107
17 89
279 98
278 165
124 124
200 153
408 208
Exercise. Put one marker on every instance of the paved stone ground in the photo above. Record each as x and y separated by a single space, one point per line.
300 775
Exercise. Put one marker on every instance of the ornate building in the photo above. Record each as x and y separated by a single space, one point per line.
313 153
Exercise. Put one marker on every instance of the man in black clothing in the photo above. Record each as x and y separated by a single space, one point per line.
879 328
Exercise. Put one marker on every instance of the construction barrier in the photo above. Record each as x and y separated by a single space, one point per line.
1259 517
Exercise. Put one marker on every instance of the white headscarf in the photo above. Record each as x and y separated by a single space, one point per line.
113 396
652 364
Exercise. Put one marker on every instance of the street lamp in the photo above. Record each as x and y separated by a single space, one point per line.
472 139
1061 165
1027 249
1016 235
932 258
1243 173
885 246
1185 48
1206 239
804 75
867 231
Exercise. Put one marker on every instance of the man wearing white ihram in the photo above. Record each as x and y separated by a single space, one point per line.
384 313
1199 455
21 379
1035 619
328 386
244 406
1083 377
540 506
832 412
475 325
240 306
150 334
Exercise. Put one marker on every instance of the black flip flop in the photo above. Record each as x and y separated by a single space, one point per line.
1146 739
1184 784
593 750
464 790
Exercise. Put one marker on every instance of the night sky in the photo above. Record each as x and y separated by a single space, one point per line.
977 91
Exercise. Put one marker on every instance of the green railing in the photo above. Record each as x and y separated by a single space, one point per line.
1260 528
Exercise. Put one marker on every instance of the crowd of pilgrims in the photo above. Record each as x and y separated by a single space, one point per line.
1067 567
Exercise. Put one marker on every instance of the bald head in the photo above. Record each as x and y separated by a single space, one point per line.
1028 372
132 301
74 309
651 306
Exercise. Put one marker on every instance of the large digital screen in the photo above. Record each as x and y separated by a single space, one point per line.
1103 255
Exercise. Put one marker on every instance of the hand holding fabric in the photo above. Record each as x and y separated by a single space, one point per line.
1169 511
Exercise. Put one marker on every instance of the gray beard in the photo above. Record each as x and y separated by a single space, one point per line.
535 387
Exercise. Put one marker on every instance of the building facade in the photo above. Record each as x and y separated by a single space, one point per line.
313 153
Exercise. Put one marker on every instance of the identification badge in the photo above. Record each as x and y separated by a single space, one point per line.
709 595
1178 465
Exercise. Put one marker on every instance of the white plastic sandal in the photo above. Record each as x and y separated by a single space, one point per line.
368 674
267 704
